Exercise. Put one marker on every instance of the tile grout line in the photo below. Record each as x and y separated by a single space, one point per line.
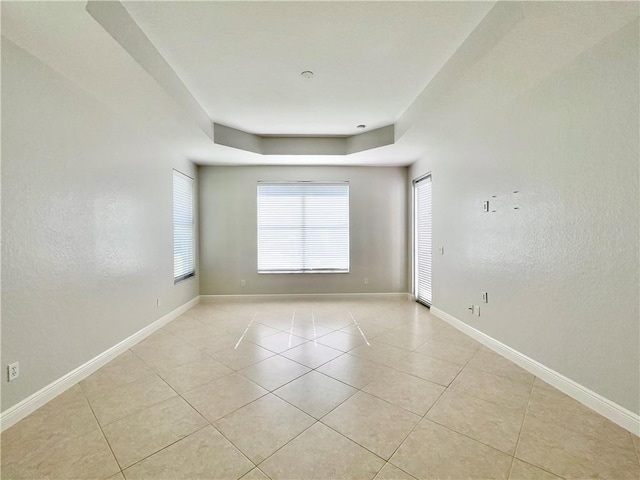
524 417
101 430
221 433
319 420
138 411
359 390
423 417
166 446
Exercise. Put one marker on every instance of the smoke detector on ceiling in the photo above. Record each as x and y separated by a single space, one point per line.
361 126
307 74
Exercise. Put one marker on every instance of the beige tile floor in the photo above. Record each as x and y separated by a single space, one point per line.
324 389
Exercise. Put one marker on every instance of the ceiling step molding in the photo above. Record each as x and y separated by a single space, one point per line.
302 145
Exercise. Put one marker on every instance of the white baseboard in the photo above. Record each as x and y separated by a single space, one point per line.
302 296
605 407
20 410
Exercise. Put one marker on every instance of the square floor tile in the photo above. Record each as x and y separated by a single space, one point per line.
320 454
165 354
223 396
245 354
279 321
446 351
143 433
255 474
125 368
495 425
421 327
493 363
336 320
211 343
401 338
502 391
274 372
263 426
83 456
315 393
367 331
387 355
571 454
433 451
373 423
312 354
524 471
309 330
636 444
451 335
353 370
341 340
67 415
407 391
429 368
203 454
200 371
553 406
252 332
391 472
113 402
280 342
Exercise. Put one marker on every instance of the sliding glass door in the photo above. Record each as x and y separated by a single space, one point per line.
422 242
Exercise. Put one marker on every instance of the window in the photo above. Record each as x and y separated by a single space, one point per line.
303 227
423 255
183 244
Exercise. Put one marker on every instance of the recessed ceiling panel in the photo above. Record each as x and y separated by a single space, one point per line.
243 60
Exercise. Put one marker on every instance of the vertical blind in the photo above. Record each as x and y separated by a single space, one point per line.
423 239
183 241
303 227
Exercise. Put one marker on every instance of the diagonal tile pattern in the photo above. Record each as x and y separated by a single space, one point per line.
325 389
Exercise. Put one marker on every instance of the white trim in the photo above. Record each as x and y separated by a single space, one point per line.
605 407
302 296
20 410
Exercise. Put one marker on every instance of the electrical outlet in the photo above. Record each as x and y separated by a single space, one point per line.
243 282
13 371
485 297
485 206
158 302
366 280
441 250
476 310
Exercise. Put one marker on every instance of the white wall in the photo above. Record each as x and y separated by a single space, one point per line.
228 231
86 225
562 270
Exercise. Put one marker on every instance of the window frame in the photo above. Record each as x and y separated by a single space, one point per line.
192 271
302 183
423 225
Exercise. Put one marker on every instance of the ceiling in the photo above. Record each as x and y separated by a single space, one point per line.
419 65
242 60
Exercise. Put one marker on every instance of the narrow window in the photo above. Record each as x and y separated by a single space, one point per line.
183 238
303 227
423 241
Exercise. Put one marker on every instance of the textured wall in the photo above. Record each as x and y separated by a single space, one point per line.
86 226
562 269
228 231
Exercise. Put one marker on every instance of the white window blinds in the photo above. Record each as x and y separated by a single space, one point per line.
183 238
423 239
303 227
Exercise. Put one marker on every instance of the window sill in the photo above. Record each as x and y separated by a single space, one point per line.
183 278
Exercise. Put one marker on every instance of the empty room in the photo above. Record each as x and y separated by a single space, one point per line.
320 240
